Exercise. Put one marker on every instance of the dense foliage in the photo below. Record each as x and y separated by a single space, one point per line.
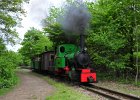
9 60
34 42
10 13
112 39
52 28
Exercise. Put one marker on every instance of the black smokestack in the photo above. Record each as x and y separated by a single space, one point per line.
82 42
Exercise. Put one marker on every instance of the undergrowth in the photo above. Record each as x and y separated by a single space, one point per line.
108 77
5 90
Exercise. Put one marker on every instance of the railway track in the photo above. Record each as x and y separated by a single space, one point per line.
111 94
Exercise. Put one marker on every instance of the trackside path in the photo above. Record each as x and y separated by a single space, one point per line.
30 88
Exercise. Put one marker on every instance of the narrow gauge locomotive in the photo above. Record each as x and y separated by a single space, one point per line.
68 60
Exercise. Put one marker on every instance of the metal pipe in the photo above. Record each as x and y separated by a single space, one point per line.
82 42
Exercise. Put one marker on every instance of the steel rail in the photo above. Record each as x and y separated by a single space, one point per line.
100 93
116 92
114 95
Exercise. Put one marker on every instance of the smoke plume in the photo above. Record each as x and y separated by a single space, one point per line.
75 18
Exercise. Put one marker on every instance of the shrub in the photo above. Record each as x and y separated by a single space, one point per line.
8 64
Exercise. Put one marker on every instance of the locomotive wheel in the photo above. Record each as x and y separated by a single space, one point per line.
74 76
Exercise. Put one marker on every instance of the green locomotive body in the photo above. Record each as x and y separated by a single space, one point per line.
65 51
64 61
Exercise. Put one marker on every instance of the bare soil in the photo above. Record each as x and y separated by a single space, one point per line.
31 87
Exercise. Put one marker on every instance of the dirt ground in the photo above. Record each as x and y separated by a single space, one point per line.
30 88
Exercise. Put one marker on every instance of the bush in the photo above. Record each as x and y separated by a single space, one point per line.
8 63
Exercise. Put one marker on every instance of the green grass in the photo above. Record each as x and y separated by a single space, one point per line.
64 92
4 91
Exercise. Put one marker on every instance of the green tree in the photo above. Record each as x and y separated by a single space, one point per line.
111 39
10 16
34 43
9 61
53 28
10 12
2 46
137 52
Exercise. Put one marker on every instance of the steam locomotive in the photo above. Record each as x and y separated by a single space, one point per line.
67 60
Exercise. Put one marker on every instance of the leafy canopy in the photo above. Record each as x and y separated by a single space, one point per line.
34 43
111 40
9 61
10 16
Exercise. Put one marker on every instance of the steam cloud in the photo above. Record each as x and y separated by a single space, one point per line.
75 18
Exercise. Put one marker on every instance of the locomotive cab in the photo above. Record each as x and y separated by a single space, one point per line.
64 52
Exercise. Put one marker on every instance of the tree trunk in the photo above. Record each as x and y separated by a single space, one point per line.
131 46
137 57
137 44
137 65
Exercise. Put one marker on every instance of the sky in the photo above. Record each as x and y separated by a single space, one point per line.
36 11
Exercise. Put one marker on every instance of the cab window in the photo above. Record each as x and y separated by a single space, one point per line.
62 49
